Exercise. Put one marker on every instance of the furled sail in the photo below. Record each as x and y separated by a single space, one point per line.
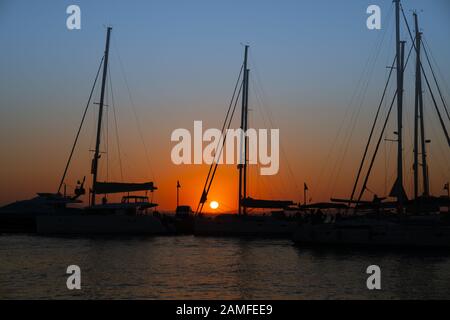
119 187
398 190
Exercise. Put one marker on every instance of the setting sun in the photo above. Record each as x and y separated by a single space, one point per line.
214 205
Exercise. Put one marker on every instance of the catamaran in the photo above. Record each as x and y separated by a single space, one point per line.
277 224
132 215
424 220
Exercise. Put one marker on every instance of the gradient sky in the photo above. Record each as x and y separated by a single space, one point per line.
180 61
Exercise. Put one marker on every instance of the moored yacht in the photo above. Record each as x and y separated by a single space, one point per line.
243 223
394 220
245 226
132 215
379 229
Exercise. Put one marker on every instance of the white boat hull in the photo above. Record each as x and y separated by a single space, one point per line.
379 235
99 224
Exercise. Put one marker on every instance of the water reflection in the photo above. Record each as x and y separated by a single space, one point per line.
212 268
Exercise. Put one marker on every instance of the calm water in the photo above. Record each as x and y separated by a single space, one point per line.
218 268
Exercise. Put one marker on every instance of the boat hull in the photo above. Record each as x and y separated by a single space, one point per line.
100 224
25 221
12 223
389 235
242 227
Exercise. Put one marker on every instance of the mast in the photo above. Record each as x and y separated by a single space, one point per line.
420 117
243 152
400 51
246 75
99 124
416 118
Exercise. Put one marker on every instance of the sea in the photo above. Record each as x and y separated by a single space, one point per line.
189 267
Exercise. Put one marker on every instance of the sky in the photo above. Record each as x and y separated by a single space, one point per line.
317 74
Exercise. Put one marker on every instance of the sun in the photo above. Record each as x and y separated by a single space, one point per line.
214 205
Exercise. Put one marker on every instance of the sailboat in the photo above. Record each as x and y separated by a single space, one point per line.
424 220
130 216
278 224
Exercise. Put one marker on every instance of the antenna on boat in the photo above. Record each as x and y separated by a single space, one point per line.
99 124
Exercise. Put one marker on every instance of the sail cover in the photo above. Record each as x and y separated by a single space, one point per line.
119 187
266 204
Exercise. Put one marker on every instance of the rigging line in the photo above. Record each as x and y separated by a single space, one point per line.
216 164
94 120
376 150
259 180
79 128
133 108
387 147
381 136
355 115
435 105
372 131
349 134
258 85
436 64
341 127
223 128
439 143
260 106
388 165
116 126
266 125
268 188
436 82
428 83
223 144
107 132
227 117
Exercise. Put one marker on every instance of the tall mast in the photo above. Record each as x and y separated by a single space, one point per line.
99 124
400 51
243 152
416 115
420 116
246 75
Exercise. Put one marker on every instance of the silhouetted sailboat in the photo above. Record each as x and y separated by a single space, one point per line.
417 222
129 216
243 224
